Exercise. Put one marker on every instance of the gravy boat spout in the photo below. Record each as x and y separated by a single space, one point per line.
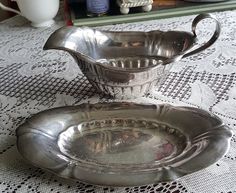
76 41
127 64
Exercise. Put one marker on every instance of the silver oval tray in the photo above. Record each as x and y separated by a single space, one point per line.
123 144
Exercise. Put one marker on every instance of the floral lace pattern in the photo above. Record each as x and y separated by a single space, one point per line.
32 80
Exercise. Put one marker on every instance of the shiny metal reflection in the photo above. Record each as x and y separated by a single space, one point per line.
123 144
128 64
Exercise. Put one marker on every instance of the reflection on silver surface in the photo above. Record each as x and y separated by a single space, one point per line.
131 142
127 64
123 144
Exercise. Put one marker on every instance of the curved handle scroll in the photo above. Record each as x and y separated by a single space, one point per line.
213 38
9 9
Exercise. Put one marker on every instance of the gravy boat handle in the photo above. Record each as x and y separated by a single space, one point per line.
212 40
206 45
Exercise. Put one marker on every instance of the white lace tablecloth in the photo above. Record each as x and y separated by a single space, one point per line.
32 80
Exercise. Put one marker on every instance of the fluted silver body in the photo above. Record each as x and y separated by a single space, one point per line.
127 64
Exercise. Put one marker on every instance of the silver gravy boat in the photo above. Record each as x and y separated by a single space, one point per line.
127 64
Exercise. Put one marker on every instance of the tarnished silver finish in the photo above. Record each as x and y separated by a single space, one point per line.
123 144
127 64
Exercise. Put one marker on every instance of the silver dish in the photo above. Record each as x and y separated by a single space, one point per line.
127 64
123 144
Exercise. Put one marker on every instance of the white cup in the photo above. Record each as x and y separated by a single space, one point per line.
39 12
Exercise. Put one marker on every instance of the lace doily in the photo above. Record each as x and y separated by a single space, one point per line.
32 80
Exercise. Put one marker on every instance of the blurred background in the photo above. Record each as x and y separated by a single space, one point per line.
7 14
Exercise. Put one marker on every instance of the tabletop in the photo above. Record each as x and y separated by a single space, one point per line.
32 80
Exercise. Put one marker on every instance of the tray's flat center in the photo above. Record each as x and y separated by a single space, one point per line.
120 141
